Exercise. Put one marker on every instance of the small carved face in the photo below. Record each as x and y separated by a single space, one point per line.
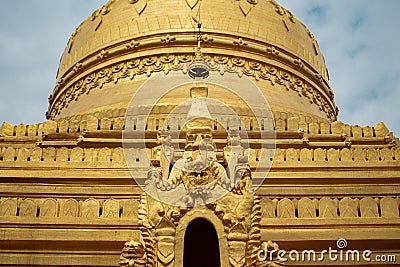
133 247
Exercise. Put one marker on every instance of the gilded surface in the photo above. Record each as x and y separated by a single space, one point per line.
67 197
148 66
118 28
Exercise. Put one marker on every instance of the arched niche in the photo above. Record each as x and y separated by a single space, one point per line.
201 215
201 246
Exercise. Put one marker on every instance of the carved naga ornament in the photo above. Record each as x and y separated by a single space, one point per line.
201 175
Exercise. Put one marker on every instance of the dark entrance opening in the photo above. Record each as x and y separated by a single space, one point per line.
201 245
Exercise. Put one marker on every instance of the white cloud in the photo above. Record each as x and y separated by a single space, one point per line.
359 40
32 39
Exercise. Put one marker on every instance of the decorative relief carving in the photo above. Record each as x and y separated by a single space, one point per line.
386 154
369 208
199 173
90 208
103 54
272 51
20 130
328 208
346 155
28 208
286 209
241 217
69 208
78 66
292 155
205 38
237 244
389 207
319 155
246 6
140 5
283 11
111 209
8 207
35 154
192 3
348 207
299 63
147 66
132 45
133 254
332 155
97 15
373 154
240 42
255 232
104 154
9 154
130 208
118 155
23 154
62 154
48 208
360 154
165 238
49 154
305 155
101 11
306 208
268 207
168 39
260 208
7 129
76 154
71 39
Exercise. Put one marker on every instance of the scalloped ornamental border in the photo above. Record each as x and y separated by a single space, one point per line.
153 64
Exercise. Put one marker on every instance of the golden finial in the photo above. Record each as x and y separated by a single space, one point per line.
199 68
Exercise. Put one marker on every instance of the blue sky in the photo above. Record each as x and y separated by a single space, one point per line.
359 38
360 42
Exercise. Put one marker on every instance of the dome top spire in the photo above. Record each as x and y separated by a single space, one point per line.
199 68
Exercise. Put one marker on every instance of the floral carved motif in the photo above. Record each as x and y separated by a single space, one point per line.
240 42
103 10
149 65
140 5
246 6
192 3
168 39
133 44
97 16
283 11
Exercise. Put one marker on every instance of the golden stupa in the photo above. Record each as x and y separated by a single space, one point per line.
248 163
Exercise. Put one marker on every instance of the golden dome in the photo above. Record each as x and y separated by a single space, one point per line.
125 41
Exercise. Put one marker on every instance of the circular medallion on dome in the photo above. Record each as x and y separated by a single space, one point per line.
199 69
